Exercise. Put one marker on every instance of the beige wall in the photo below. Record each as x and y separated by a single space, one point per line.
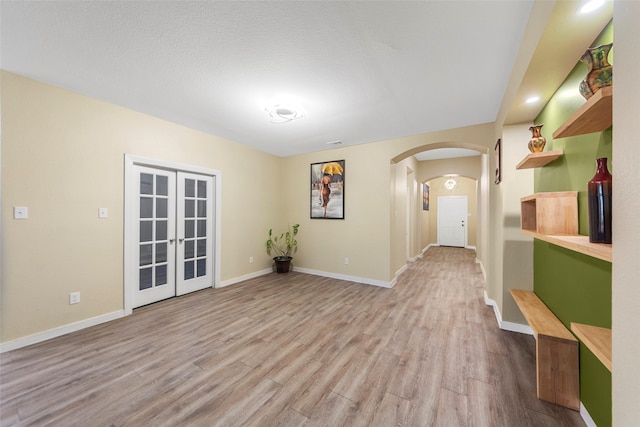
517 248
63 158
626 221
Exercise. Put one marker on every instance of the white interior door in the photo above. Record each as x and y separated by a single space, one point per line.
173 233
452 221
154 233
195 233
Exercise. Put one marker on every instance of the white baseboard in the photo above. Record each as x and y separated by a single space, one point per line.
507 326
586 417
57 332
470 247
426 248
348 278
245 277
415 258
516 327
401 270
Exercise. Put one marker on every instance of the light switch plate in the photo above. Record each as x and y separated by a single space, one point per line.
20 212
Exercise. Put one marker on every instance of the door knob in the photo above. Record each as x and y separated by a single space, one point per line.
180 240
171 241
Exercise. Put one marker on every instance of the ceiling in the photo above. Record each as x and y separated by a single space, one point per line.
446 153
359 71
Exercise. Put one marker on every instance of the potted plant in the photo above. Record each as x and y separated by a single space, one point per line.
283 247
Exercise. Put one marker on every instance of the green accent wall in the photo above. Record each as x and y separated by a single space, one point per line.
576 287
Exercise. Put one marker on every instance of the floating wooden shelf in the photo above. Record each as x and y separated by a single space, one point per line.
557 371
594 116
553 217
537 160
576 243
550 213
597 339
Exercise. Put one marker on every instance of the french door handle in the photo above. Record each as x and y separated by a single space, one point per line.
180 241
171 241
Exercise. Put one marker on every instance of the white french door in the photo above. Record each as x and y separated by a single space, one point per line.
171 233
154 233
194 266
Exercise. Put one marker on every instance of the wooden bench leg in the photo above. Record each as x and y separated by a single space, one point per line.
557 371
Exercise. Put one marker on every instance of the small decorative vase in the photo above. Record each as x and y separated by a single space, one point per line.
600 72
599 194
537 141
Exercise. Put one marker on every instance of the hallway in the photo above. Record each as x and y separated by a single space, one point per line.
292 350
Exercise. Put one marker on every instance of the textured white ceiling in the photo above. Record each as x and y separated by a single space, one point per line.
362 71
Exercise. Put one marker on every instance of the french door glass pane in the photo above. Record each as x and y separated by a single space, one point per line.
161 208
161 275
161 230
146 231
162 185
188 270
145 281
161 252
146 183
189 188
202 247
188 249
202 228
202 189
146 207
146 252
202 267
189 208
189 228
202 208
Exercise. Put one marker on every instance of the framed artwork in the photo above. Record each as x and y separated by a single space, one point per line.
498 150
327 190
425 197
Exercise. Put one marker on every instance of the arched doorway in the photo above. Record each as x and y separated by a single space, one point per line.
407 166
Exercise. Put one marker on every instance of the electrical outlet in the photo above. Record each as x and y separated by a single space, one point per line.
250 260
346 261
20 212
74 297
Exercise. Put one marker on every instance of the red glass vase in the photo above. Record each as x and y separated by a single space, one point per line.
599 194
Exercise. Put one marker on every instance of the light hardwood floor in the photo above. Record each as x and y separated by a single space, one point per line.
292 350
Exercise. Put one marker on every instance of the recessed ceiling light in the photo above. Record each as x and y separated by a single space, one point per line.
532 99
591 6
284 113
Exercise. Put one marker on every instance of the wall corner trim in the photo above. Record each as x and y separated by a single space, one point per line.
484 275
